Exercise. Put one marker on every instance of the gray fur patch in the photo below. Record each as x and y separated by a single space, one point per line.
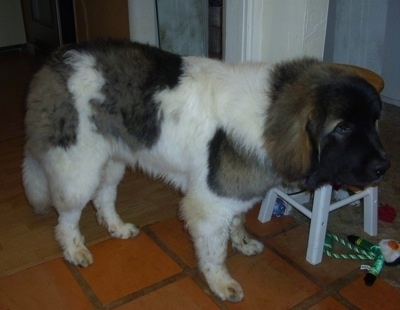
235 173
133 74
51 118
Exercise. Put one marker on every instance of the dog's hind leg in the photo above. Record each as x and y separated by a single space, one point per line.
69 203
35 184
104 202
241 240
70 238
73 177
209 229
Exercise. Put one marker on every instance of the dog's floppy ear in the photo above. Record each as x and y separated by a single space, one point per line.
314 178
292 135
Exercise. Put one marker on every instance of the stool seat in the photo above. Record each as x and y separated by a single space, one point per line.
371 77
321 204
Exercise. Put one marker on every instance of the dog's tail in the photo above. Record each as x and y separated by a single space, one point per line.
36 184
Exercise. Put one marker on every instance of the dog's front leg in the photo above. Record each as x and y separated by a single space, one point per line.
210 242
210 233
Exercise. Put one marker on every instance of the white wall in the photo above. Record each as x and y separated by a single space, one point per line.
358 32
365 33
273 30
143 22
294 28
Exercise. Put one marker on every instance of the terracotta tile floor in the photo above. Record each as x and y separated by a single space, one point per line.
157 270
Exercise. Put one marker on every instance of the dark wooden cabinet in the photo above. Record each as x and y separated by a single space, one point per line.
51 23
101 18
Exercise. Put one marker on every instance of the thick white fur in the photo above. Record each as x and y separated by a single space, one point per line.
210 95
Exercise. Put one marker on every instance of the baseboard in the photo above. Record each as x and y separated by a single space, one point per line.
391 100
12 48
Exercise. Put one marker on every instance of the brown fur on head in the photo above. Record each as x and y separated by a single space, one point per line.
293 121
292 141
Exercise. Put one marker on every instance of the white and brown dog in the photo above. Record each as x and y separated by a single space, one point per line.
222 134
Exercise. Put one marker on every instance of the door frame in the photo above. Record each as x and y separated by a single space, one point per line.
242 34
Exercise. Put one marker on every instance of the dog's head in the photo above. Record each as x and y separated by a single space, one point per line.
330 134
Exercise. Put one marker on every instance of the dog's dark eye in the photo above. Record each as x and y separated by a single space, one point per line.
343 128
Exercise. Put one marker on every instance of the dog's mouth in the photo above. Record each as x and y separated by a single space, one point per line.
364 184
340 181
372 176
376 181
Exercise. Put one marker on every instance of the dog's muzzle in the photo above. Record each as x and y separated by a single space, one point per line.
379 167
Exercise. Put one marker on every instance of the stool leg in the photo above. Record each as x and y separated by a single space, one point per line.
267 206
319 222
371 211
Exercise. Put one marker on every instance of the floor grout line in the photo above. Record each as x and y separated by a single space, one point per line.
192 272
145 291
165 248
331 289
84 285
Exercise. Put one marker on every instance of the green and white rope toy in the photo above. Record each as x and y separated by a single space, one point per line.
386 252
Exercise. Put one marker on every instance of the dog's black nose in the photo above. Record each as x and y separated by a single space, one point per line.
381 167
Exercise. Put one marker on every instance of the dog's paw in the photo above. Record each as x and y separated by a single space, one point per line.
80 257
123 231
227 290
248 246
222 284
